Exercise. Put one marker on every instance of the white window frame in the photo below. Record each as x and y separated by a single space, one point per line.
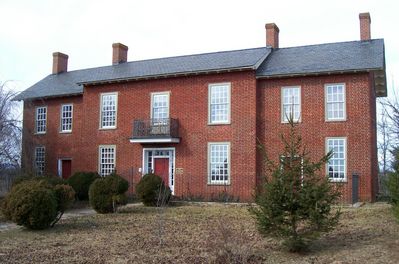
282 104
100 156
228 120
37 120
40 169
328 119
152 102
219 182
101 110
62 119
345 159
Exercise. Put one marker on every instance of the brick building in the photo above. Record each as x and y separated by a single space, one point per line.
195 119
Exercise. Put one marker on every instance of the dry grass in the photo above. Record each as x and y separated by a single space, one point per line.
198 234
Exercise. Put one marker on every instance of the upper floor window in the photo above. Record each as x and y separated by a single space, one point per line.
160 106
219 103
66 118
290 104
336 166
107 158
40 158
335 102
219 163
109 108
41 119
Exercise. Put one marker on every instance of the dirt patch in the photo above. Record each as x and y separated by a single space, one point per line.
197 234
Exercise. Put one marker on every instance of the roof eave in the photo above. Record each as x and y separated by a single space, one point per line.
160 76
379 77
45 97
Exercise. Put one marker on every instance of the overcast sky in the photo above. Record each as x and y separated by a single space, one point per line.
30 31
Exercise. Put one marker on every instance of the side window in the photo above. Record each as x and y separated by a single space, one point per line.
219 103
108 110
66 117
219 163
40 159
160 106
107 159
336 166
335 102
41 120
290 104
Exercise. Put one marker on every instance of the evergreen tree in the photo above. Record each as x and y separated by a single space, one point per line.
295 201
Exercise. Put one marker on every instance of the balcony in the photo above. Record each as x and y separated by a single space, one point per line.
164 130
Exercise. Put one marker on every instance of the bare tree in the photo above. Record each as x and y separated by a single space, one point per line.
384 144
10 129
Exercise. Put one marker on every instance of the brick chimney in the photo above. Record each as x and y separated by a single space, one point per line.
272 35
365 22
119 53
60 62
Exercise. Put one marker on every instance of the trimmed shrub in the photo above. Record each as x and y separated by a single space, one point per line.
108 192
50 179
152 191
32 204
65 196
81 182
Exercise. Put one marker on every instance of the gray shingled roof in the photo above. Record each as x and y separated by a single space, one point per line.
69 82
322 58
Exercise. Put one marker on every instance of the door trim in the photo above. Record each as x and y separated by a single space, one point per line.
171 168
59 165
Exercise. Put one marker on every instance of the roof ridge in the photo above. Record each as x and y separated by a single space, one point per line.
322 44
160 58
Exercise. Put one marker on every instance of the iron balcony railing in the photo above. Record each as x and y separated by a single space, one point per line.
156 128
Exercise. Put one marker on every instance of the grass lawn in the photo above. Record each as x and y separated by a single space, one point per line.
198 234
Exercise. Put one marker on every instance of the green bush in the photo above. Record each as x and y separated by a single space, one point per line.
65 196
50 179
32 204
108 192
152 191
81 182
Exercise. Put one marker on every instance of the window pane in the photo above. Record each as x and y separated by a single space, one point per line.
219 163
107 160
66 118
291 103
41 118
160 106
108 110
337 164
335 105
219 103
40 160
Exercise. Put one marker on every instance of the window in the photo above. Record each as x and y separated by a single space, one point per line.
291 104
41 119
107 157
219 103
219 163
160 106
40 158
336 166
335 102
109 105
66 118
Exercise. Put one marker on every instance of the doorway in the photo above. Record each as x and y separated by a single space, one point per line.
160 161
65 168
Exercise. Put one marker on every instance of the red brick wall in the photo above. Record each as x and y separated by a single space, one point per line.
58 145
188 103
255 112
359 128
